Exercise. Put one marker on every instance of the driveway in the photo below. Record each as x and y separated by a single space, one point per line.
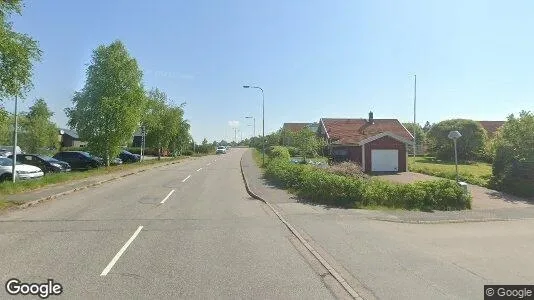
483 198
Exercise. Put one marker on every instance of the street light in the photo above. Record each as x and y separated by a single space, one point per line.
254 121
263 117
454 135
13 170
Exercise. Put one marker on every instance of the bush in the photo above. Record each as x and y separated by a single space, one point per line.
470 145
325 187
187 152
347 168
279 152
513 166
293 151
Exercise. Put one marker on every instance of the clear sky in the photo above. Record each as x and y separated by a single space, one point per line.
473 59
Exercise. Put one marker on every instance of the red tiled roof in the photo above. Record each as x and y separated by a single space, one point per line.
491 126
295 127
353 131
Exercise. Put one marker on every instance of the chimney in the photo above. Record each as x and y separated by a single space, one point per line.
371 119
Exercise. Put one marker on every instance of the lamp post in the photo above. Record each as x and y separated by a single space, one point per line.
454 135
263 118
254 122
13 169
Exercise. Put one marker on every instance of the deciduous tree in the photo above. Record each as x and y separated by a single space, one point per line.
38 131
109 107
18 52
470 145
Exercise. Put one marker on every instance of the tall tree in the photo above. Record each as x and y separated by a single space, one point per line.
109 107
470 145
38 131
155 120
5 120
18 52
307 142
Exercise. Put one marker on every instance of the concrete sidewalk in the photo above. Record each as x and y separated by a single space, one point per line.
60 189
290 203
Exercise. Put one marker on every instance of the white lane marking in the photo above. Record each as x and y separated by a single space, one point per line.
118 255
208 164
186 178
199 169
167 197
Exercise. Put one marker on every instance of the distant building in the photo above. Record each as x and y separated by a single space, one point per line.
70 138
491 126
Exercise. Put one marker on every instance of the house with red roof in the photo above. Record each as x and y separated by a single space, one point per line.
491 126
378 145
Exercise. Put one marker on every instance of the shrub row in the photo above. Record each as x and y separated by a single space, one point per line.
320 186
279 152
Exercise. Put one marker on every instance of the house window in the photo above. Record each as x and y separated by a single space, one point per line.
340 152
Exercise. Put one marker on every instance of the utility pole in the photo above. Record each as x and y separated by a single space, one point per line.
414 111
13 170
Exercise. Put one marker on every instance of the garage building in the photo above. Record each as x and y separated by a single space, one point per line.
378 145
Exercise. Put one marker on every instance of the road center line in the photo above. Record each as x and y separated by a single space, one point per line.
186 178
167 197
199 169
118 255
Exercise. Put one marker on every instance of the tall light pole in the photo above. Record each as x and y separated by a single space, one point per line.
263 118
254 122
454 135
414 111
13 171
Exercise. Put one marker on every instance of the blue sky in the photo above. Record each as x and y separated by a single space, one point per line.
473 59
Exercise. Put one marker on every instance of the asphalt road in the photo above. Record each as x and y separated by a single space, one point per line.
190 231
208 239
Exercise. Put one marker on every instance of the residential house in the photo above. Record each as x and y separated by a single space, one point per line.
491 126
378 145
70 138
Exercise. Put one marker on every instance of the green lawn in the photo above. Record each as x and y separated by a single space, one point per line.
475 173
8 188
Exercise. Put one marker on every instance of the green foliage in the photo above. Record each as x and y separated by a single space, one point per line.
470 145
307 142
513 166
38 132
5 121
17 53
109 107
420 133
165 126
320 186
279 152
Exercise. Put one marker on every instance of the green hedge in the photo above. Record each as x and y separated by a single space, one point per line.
322 187
279 152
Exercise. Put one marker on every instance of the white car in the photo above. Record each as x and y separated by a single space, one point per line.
23 171
220 150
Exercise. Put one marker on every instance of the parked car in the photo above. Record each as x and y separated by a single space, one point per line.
113 162
23 172
78 160
6 151
46 163
220 150
128 157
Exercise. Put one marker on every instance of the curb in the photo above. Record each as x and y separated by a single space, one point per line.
316 254
54 196
448 221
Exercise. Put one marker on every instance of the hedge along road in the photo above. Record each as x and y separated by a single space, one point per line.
136 238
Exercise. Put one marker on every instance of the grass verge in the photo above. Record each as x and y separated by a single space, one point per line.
10 188
478 173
